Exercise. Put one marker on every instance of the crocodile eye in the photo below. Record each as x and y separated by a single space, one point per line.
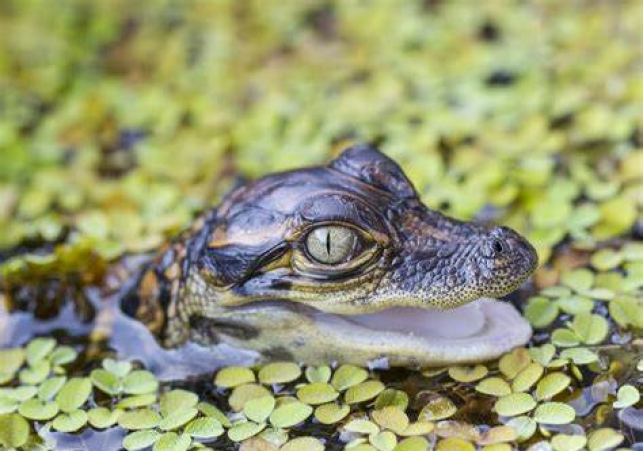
331 244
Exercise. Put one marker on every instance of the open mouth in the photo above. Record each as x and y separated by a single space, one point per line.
461 322
481 330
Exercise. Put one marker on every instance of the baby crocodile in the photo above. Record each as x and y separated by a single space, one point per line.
337 263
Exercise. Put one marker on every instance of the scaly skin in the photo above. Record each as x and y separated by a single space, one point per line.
244 276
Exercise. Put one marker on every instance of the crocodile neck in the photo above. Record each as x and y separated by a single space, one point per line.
153 295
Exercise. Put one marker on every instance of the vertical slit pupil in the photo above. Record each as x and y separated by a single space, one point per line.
328 242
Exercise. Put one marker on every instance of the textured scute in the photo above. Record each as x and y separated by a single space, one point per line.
366 163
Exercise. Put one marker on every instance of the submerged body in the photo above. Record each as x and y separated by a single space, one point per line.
338 263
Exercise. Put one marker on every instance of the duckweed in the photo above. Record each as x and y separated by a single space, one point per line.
90 173
554 413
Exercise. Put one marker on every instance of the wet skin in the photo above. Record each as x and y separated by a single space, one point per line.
337 263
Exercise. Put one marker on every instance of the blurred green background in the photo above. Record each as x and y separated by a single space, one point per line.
120 120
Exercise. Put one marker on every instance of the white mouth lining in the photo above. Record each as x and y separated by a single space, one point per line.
462 322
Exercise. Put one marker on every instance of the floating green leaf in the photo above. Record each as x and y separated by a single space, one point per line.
494 386
50 387
176 418
383 441
171 441
139 419
626 396
63 355
565 338
541 312
412 444
392 418
279 373
590 328
604 439
241 394
627 311
513 362
38 349
234 376
527 377
204 428
578 279
35 373
14 430
552 384
347 376
362 426
102 417
438 408
392 397
140 440
554 413
74 394
331 413
317 393
524 426
467 373
211 411
290 414
70 421
106 381
514 404
363 391
241 431
318 373
140 382
36 409
259 409
118 369
137 401
580 356
12 360
564 442
303 443
178 399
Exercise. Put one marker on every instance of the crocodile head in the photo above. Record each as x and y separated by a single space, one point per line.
344 263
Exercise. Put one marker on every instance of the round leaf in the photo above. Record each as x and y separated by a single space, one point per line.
140 440
554 413
290 414
279 373
70 421
102 417
234 376
140 382
14 430
74 394
139 419
171 441
514 404
35 409
317 393
204 428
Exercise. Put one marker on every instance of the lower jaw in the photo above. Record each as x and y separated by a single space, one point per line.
479 331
